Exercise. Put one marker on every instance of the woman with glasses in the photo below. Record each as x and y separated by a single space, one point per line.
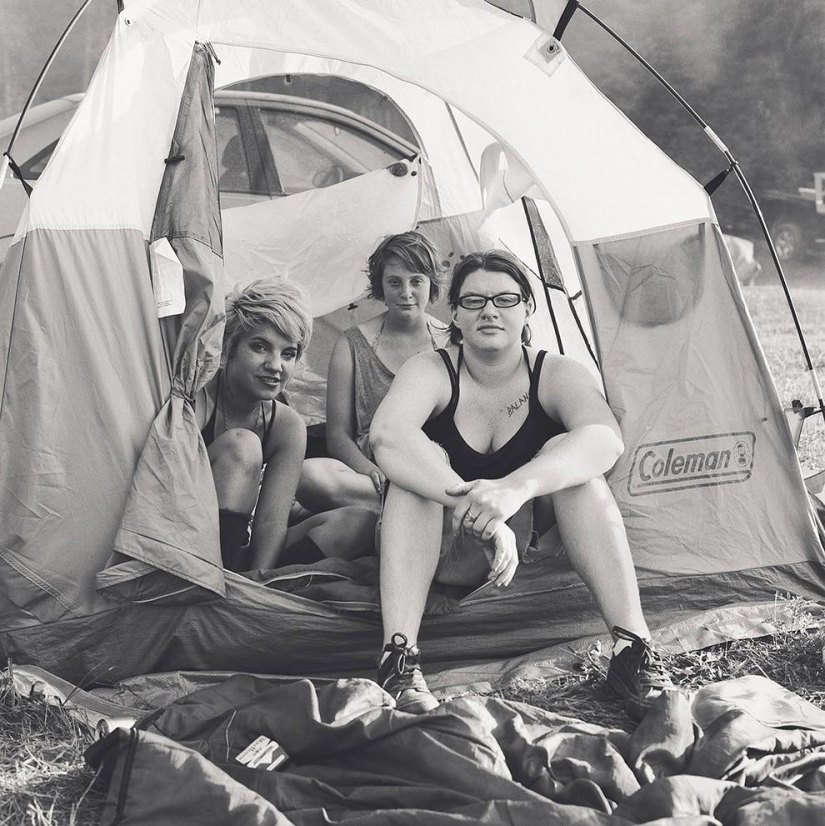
478 438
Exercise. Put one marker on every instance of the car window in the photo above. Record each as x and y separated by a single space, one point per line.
34 166
233 163
311 152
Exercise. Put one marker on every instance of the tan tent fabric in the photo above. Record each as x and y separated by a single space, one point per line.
171 517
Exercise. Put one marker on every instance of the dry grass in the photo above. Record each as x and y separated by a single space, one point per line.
43 779
779 340
44 782
791 657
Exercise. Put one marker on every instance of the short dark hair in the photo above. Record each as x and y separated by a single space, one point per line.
492 261
415 252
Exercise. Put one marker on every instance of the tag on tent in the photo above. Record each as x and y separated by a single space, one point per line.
546 53
263 753
167 272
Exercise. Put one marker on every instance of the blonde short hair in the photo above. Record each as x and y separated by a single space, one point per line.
275 301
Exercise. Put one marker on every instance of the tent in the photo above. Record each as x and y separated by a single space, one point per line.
109 558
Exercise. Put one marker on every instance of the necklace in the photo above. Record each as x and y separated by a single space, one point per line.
226 424
381 330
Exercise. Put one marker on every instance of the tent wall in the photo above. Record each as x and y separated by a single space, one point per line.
84 376
706 441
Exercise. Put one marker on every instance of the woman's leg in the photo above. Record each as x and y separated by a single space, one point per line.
411 529
594 536
327 484
344 533
236 459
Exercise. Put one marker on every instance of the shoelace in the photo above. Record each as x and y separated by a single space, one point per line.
402 654
652 671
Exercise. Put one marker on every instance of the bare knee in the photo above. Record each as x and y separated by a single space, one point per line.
595 493
314 479
239 448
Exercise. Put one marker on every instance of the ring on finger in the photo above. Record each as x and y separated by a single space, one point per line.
470 517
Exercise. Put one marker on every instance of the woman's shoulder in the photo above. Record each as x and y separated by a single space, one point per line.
286 416
360 333
432 361
560 371
440 331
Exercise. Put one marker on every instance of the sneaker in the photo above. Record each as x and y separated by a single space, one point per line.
400 676
637 674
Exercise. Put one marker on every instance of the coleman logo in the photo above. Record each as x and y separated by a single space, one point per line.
695 462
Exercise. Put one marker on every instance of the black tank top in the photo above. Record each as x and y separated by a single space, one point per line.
208 431
468 463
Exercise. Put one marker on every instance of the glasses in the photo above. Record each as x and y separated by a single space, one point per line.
471 301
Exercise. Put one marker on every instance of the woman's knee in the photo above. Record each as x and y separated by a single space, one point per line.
317 475
595 496
239 447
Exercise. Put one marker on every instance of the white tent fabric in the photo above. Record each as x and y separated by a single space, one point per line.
331 266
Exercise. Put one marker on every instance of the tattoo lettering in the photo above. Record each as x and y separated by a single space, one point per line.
511 408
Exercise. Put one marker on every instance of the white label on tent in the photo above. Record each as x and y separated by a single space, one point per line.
262 753
167 278
546 53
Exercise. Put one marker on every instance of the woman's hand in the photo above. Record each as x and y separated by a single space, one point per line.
377 478
502 554
484 503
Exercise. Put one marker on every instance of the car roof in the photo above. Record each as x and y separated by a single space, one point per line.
291 103
45 122
43 111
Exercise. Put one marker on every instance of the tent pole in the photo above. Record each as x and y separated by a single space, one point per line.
542 274
7 159
733 165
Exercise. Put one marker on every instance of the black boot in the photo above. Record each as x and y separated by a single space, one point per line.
400 676
235 552
637 674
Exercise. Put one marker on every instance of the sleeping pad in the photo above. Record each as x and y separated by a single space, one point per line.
246 751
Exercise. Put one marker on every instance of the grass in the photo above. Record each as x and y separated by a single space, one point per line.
772 320
44 782
43 779
792 657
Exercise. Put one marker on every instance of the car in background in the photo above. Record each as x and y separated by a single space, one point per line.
796 220
269 146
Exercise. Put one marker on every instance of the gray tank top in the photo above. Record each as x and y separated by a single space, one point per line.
372 382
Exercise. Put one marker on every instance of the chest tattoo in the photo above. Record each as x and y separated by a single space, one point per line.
513 406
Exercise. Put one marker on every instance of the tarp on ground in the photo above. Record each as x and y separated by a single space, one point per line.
745 751
709 485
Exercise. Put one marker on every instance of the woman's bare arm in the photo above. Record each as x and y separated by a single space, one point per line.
284 455
341 422
402 450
